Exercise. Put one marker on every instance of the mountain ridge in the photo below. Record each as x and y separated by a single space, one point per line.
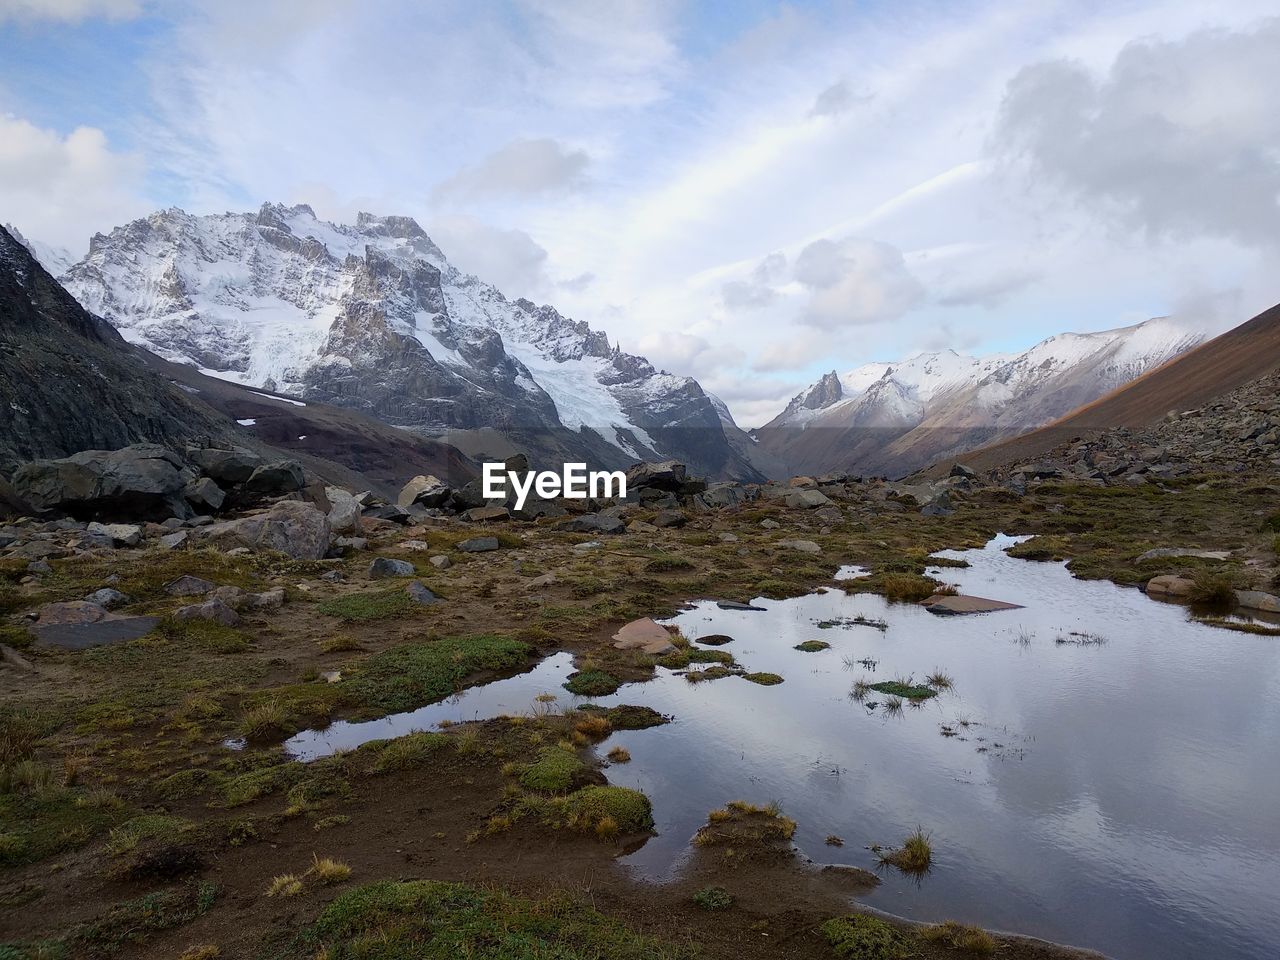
373 316
896 417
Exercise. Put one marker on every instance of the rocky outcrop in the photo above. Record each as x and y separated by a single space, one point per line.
291 527
69 380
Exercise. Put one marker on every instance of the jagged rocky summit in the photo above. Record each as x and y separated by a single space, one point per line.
373 316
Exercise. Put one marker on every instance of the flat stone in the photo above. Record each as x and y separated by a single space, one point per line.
486 514
414 546
804 546
188 586
1258 600
383 567
770 524
1170 585
645 635
736 605
440 562
593 523
728 538
959 603
479 544
81 636
1161 553
538 583
267 600
71 611
670 518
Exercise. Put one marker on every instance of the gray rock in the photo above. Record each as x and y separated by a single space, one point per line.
424 491
108 598
960 470
383 567
203 520
540 583
806 499
174 523
1257 600
667 475
485 514
1160 553
225 466
440 562
120 534
204 493
272 599
736 605
592 523
174 541
82 636
804 546
670 518
292 527
144 480
829 514
280 476
344 511
770 524
479 544
416 546
345 545
420 593
391 512
213 610
189 586
39 566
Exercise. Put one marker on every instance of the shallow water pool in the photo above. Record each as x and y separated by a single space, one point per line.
1116 790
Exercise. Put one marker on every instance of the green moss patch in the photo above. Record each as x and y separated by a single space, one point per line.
812 646
556 770
765 679
905 689
592 683
371 605
424 919
865 938
420 673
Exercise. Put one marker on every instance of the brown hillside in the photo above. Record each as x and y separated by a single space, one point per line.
1240 355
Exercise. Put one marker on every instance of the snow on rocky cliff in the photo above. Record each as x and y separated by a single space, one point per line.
374 316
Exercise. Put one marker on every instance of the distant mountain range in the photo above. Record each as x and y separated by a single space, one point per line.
374 317
892 418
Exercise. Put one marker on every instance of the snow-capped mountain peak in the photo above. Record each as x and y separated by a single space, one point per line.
944 402
373 315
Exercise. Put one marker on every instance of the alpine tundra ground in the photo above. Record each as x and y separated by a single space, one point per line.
129 827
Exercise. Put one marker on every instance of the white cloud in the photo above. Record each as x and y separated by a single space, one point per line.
855 282
836 99
689 354
1178 139
758 289
60 189
69 11
508 259
521 168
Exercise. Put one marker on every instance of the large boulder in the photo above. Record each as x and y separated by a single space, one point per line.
228 467
138 482
806 499
667 475
344 511
424 491
280 476
290 526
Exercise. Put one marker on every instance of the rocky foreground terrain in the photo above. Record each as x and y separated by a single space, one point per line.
171 616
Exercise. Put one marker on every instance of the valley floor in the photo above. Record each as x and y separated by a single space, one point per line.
129 827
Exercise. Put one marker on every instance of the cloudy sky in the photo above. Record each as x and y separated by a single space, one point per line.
748 192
